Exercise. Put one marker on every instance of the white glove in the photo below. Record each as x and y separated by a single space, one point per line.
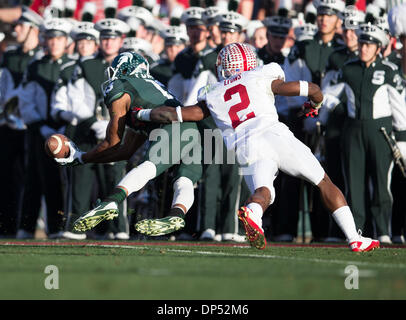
69 117
402 148
75 156
99 128
46 131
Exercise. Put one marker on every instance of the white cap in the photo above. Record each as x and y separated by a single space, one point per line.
278 26
329 7
232 21
193 16
85 30
56 27
31 17
175 35
372 34
210 14
144 15
306 31
110 28
352 17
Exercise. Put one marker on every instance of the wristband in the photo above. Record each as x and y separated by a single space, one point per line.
304 88
179 113
144 115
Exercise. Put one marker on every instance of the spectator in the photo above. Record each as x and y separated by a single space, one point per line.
176 39
256 34
43 177
362 140
12 127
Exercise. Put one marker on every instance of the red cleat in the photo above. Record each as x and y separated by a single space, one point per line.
254 233
363 244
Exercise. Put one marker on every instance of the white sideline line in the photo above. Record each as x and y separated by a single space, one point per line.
261 256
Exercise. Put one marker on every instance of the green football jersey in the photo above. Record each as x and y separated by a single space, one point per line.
145 93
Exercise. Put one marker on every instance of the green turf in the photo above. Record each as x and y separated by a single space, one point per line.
190 272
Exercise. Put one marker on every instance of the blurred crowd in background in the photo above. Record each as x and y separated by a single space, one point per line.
54 54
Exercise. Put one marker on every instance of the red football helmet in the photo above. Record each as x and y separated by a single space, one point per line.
234 59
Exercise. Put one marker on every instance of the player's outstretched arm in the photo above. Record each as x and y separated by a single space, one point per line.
298 88
166 114
109 149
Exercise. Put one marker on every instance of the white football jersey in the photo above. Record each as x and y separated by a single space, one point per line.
244 102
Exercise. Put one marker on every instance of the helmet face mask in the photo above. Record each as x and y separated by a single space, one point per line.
234 59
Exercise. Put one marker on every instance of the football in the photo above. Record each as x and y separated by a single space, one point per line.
56 146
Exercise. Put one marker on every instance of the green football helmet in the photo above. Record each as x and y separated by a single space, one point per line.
128 64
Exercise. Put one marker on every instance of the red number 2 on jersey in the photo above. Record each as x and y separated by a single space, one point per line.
245 102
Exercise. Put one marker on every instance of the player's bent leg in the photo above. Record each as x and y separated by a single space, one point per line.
108 208
335 201
251 217
182 201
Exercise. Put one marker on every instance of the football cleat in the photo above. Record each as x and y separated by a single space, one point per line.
363 244
160 227
254 233
104 211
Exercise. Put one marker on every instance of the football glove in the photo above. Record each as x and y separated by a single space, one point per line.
311 109
74 159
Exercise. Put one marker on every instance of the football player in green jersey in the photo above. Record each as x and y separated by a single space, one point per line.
130 94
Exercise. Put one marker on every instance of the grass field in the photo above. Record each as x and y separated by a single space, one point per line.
184 271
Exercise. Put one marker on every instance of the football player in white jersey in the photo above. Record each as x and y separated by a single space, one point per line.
242 105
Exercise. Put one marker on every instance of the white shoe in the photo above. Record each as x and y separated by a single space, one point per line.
362 244
398 239
385 239
22 234
233 237
121 236
74 236
217 237
207 234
